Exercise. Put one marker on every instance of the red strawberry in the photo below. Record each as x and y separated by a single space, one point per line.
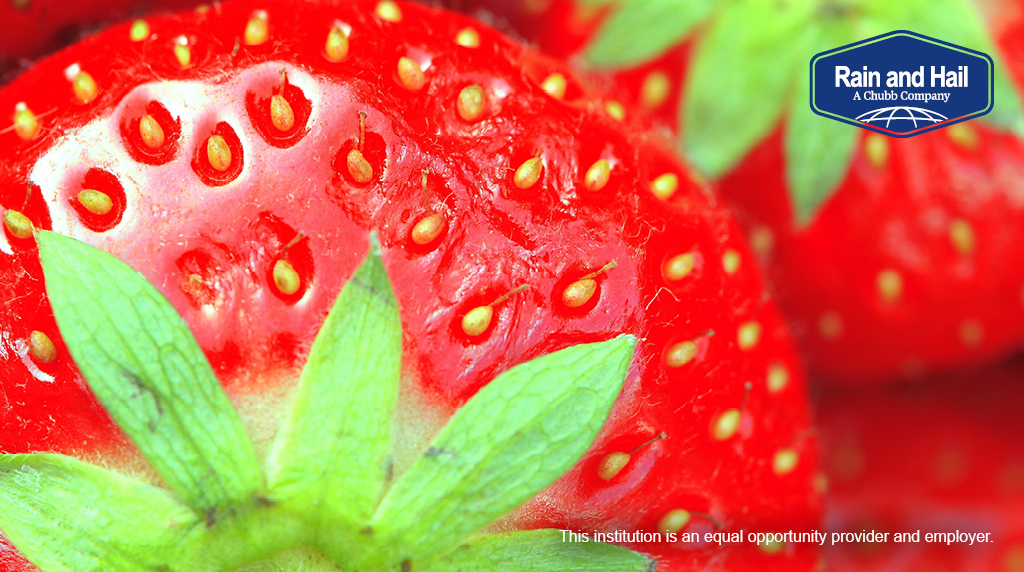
238 159
36 27
940 457
888 256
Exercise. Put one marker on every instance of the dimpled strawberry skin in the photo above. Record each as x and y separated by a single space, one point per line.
381 134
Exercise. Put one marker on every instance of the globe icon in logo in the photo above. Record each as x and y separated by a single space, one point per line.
890 114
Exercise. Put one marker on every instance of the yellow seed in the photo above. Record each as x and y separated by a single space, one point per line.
183 54
85 87
963 135
528 173
971 333
477 320
359 167
961 234
388 10
151 132
654 90
281 114
20 5
18 224
470 104
336 47
218 153
96 202
913 368
673 521
830 324
597 175
762 239
680 354
468 38
1013 559
731 261
821 483
139 31
579 292
665 186
410 75
256 30
286 278
876 149
748 334
536 7
772 546
26 125
950 466
890 285
427 229
677 267
612 464
785 461
554 85
778 378
726 425
41 347
616 110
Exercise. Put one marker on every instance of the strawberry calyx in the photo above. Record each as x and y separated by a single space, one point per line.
327 497
766 46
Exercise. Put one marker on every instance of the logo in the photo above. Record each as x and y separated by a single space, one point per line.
902 84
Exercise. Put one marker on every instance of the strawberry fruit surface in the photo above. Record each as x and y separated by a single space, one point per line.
890 257
34 28
936 457
239 159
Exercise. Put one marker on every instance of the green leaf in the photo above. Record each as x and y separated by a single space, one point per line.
294 560
514 438
141 361
818 149
536 550
741 79
958 22
333 452
64 515
641 30
818 155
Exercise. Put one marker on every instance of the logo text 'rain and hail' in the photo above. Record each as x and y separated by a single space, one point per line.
901 84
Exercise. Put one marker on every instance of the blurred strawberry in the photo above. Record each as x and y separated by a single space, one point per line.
940 457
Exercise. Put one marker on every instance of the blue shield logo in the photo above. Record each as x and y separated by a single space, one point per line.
902 84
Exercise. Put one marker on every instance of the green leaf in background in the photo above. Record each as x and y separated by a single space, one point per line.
957 22
640 30
818 153
333 451
741 79
536 550
515 437
68 516
818 149
141 361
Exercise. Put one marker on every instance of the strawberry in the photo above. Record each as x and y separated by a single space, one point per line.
239 159
37 27
940 457
888 256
